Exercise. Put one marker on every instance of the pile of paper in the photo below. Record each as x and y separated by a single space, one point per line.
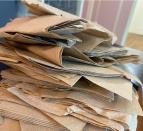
62 75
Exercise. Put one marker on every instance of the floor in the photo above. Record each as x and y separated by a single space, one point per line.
135 41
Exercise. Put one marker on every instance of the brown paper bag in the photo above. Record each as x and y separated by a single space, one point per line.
99 119
46 52
12 107
26 114
10 124
31 127
93 101
8 54
48 96
51 26
34 74
50 107
90 42
17 76
72 67
13 77
112 55
22 39
120 86
90 127
40 8
104 115
1 120
37 72
69 122
66 121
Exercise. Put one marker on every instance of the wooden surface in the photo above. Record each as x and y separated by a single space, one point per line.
135 41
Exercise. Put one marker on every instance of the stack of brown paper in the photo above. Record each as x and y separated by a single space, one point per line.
62 75
106 54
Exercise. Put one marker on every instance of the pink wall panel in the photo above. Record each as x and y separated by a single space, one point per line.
123 18
85 7
112 14
107 14
96 9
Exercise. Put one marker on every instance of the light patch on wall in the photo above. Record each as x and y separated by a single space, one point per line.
137 21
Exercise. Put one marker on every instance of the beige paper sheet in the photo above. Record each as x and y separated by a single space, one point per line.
120 86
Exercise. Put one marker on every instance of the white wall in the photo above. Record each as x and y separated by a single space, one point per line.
137 20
